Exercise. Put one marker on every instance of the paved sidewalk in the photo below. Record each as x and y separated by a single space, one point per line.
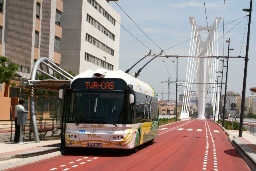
245 146
10 150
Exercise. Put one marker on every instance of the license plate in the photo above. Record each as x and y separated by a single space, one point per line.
94 145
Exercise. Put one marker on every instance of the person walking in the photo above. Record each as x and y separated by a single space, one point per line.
18 108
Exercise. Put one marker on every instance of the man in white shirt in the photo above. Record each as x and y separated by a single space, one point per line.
18 107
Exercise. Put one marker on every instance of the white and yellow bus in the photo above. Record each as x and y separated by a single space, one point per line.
108 109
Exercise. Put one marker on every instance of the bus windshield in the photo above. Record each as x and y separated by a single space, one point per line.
103 107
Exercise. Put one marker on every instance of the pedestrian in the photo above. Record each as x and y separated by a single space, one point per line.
18 108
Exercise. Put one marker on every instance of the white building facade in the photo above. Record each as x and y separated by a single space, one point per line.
91 36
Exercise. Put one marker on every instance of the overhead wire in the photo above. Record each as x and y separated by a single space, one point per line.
205 15
134 36
222 37
245 28
225 33
203 34
170 46
154 56
138 26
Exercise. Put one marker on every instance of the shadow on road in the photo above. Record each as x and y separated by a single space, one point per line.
232 152
101 151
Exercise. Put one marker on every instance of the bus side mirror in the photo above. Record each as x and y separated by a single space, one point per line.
131 98
61 94
61 90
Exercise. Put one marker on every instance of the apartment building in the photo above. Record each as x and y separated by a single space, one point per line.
29 29
91 36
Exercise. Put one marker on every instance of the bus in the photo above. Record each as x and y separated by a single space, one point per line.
108 109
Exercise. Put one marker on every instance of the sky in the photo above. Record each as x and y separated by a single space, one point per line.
155 25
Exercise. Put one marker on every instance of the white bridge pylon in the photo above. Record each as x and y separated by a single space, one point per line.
201 70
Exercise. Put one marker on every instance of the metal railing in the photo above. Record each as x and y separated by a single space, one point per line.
47 129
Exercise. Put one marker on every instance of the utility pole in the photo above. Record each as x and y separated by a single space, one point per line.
225 96
176 103
245 71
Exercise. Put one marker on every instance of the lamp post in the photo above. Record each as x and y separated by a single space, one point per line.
176 103
245 70
225 96
217 91
220 104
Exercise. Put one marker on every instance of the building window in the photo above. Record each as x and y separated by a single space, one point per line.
99 44
36 39
1 5
1 33
92 59
57 17
24 69
38 5
57 44
102 11
100 27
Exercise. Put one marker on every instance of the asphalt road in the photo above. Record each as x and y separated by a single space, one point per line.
188 145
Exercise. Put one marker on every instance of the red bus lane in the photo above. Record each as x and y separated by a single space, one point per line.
187 145
227 157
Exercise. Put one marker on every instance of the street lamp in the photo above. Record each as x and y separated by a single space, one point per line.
225 96
245 70
176 103
217 90
220 105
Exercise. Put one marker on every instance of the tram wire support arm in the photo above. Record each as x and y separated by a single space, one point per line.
138 72
128 70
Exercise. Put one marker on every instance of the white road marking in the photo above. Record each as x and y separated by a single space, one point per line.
199 130
180 129
75 165
162 129
189 129
216 131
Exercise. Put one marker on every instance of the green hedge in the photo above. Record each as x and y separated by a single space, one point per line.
163 121
231 126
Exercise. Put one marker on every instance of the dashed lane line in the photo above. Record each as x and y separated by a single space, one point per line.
80 161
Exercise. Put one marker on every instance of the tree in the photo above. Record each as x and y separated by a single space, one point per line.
7 71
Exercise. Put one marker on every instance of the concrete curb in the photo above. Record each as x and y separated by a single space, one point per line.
30 153
235 142
245 155
37 152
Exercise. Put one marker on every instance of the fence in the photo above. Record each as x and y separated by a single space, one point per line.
48 128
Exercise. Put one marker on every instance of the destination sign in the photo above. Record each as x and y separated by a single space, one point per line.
95 84
100 85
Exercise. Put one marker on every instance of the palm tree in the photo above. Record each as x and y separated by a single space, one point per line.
7 71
